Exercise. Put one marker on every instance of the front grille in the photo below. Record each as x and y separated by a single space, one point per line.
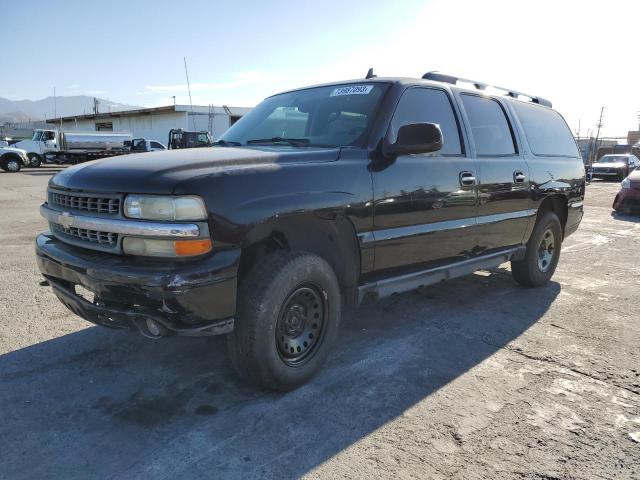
105 204
92 236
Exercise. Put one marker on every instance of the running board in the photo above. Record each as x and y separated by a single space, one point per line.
411 281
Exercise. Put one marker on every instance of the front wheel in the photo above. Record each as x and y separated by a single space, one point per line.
289 309
542 255
11 164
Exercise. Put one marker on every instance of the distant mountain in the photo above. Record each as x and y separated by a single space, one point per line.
26 110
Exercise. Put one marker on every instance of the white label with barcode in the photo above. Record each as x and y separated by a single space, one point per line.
352 90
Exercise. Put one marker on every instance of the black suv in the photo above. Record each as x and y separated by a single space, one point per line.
316 199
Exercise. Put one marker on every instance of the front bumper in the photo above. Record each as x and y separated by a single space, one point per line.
194 298
606 174
627 199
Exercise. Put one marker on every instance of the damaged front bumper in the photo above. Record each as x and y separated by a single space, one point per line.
158 298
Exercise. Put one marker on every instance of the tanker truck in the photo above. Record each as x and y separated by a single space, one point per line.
52 146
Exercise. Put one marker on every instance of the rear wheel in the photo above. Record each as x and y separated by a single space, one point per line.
542 255
289 310
11 163
34 160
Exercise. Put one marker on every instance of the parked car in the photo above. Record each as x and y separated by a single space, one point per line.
12 159
628 198
315 200
615 166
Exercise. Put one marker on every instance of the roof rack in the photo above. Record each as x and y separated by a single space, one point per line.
441 77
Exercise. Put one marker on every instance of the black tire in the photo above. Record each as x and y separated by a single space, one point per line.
621 176
268 301
11 163
537 267
35 160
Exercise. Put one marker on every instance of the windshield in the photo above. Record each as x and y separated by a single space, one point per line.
36 135
334 116
613 159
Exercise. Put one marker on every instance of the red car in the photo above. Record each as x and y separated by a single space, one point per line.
628 198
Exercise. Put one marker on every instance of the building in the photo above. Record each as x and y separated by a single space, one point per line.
20 130
587 146
155 123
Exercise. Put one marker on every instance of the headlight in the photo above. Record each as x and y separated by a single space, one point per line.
151 247
164 207
626 183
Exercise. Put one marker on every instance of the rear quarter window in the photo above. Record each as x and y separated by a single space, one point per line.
546 131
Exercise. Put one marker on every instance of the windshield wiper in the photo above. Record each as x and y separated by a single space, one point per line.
226 143
294 142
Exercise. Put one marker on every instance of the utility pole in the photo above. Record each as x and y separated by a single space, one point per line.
595 146
174 100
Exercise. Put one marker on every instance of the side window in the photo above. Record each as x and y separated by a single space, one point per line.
489 126
546 131
419 105
156 145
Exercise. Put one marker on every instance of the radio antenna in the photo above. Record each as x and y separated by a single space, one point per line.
186 72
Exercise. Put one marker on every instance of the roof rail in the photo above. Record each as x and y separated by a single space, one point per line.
441 77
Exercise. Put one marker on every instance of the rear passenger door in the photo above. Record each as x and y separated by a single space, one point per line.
425 204
503 174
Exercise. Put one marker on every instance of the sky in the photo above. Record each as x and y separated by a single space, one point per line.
581 55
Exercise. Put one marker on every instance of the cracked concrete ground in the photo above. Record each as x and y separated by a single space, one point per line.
475 378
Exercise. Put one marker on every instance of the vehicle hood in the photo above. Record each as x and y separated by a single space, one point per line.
160 172
19 151
610 165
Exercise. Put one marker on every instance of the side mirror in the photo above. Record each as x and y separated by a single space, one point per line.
414 138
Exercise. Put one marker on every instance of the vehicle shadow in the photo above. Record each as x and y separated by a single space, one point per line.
626 217
42 171
100 403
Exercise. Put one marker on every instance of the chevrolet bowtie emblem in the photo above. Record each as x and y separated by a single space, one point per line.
65 219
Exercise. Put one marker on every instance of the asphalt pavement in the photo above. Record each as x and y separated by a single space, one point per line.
473 378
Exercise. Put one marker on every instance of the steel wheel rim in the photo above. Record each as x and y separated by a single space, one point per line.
12 165
546 250
301 325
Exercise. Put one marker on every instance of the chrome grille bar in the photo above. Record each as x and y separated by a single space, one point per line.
122 227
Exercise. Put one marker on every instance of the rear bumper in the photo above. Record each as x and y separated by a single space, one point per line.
183 298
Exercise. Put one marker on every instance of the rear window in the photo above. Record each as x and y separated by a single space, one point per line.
546 131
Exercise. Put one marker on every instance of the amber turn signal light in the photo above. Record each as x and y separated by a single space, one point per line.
189 248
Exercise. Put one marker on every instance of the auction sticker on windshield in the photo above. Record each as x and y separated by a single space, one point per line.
352 90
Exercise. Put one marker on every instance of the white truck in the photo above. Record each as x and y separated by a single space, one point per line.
12 159
52 146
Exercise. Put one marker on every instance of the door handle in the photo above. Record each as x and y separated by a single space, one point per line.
519 177
467 179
